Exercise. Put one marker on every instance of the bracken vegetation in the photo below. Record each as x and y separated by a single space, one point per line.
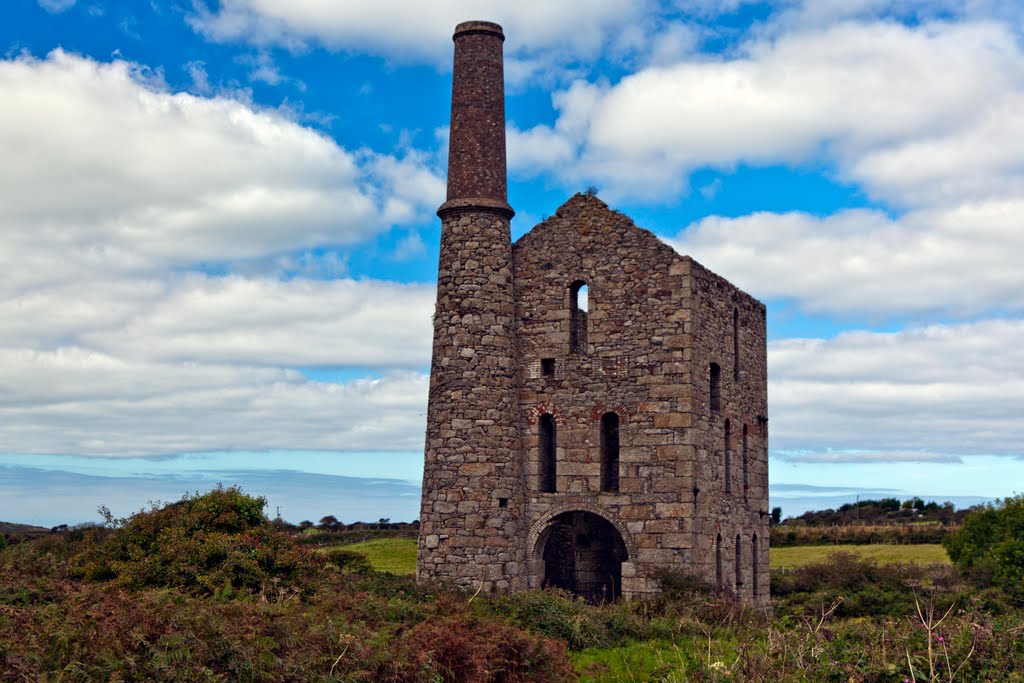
207 589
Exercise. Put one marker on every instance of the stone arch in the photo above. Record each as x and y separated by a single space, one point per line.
543 521
581 549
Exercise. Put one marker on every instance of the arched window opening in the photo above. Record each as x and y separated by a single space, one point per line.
753 564
736 343
746 463
718 562
739 564
728 456
547 447
579 305
610 452
716 387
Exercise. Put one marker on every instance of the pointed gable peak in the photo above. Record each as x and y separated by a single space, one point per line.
579 203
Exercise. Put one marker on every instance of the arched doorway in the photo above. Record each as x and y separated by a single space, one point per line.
583 553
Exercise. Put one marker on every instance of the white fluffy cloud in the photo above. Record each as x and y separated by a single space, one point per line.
962 261
116 195
407 28
84 402
915 114
269 322
113 168
922 118
938 391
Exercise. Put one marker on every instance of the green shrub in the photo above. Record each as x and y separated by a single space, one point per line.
557 614
989 545
213 543
3 541
348 560
677 585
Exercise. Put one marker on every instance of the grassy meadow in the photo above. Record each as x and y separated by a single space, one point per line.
398 555
393 555
792 557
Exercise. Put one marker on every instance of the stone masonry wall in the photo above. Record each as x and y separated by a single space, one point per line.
727 321
651 330
470 528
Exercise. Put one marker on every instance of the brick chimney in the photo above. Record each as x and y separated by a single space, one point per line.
476 147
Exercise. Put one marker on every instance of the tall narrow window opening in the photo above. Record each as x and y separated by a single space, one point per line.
753 564
610 452
736 343
716 387
728 456
739 564
579 305
718 562
547 447
746 464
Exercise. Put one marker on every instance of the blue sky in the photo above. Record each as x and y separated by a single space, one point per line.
218 244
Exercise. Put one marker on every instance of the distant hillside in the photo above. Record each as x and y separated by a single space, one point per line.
12 528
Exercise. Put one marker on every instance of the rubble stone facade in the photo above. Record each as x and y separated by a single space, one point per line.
598 402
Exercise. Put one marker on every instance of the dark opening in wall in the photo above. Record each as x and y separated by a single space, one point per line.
579 305
728 456
547 367
610 452
716 387
739 564
503 502
753 564
718 562
583 554
735 343
746 464
547 447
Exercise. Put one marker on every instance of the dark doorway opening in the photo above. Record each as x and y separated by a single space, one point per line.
583 554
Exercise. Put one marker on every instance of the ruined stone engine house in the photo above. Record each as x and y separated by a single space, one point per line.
598 402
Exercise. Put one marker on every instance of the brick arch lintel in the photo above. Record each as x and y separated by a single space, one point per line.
542 524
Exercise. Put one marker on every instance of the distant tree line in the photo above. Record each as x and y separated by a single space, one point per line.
882 512
889 520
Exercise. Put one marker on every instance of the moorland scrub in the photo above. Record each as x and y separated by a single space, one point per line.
209 589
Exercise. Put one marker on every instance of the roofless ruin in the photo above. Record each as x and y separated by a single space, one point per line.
597 402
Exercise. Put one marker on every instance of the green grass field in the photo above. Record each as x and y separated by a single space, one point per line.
398 555
798 556
395 555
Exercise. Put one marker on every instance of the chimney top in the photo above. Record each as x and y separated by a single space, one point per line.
478 27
